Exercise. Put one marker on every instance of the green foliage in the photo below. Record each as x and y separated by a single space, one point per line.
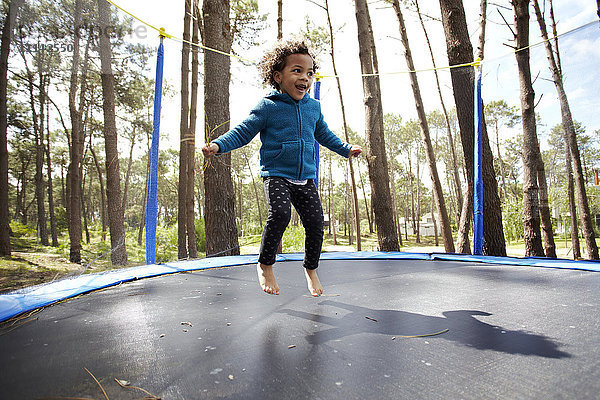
512 219
20 230
60 215
166 244
200 236
293 239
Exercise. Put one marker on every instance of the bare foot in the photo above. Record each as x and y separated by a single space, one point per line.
314 285
266 278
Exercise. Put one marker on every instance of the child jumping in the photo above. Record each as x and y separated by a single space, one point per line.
289 121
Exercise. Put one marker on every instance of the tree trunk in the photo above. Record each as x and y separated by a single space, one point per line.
38 128
376 157
482 22
438 194
435 228
128 172
463 244
500 161
331 203
411 187
143 199
191 141
102 190
182 251
37 119
84 209
51 206
455 173
568 127
545 216
572 209
7 30
418 176
118 253
346 135
395 204
280 18
221 230
460 51
77 140
531 208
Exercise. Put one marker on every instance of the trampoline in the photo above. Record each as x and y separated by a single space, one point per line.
392 325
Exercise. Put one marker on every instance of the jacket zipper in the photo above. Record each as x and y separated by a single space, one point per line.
301 166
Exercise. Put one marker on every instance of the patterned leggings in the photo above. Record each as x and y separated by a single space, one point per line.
280 195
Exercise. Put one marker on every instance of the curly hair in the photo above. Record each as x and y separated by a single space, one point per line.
274 59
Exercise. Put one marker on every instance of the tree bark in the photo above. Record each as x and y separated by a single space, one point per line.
7 30
545 217
191 140
331 201
116 223
128 172
571 137
572 209
182 251
455 174
531 208
37 119
280 18
460 51
221 230
77 140
50 187
438 194
102 190
376 157
39 122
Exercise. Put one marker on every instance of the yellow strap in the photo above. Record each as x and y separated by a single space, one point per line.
162 32
476 63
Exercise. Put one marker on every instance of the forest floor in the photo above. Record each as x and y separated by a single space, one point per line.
33 264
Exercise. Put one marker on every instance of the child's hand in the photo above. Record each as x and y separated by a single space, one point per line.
210 149
355 150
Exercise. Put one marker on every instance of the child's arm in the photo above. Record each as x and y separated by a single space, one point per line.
327 138
243 133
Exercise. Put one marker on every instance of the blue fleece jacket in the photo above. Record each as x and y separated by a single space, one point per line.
288 130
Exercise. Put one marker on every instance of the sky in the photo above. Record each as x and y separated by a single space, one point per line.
580 52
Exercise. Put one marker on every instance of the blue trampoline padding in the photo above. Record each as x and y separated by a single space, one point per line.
23 300
584 265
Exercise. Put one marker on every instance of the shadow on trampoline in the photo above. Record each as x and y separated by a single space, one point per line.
462 327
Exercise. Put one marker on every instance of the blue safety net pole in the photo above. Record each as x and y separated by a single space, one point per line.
151 193
478 201
317 97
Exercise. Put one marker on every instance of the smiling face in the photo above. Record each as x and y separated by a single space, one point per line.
296 76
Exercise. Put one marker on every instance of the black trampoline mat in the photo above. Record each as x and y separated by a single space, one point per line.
513 332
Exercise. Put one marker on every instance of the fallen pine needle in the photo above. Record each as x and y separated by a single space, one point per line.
101 388
151 396
418 336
